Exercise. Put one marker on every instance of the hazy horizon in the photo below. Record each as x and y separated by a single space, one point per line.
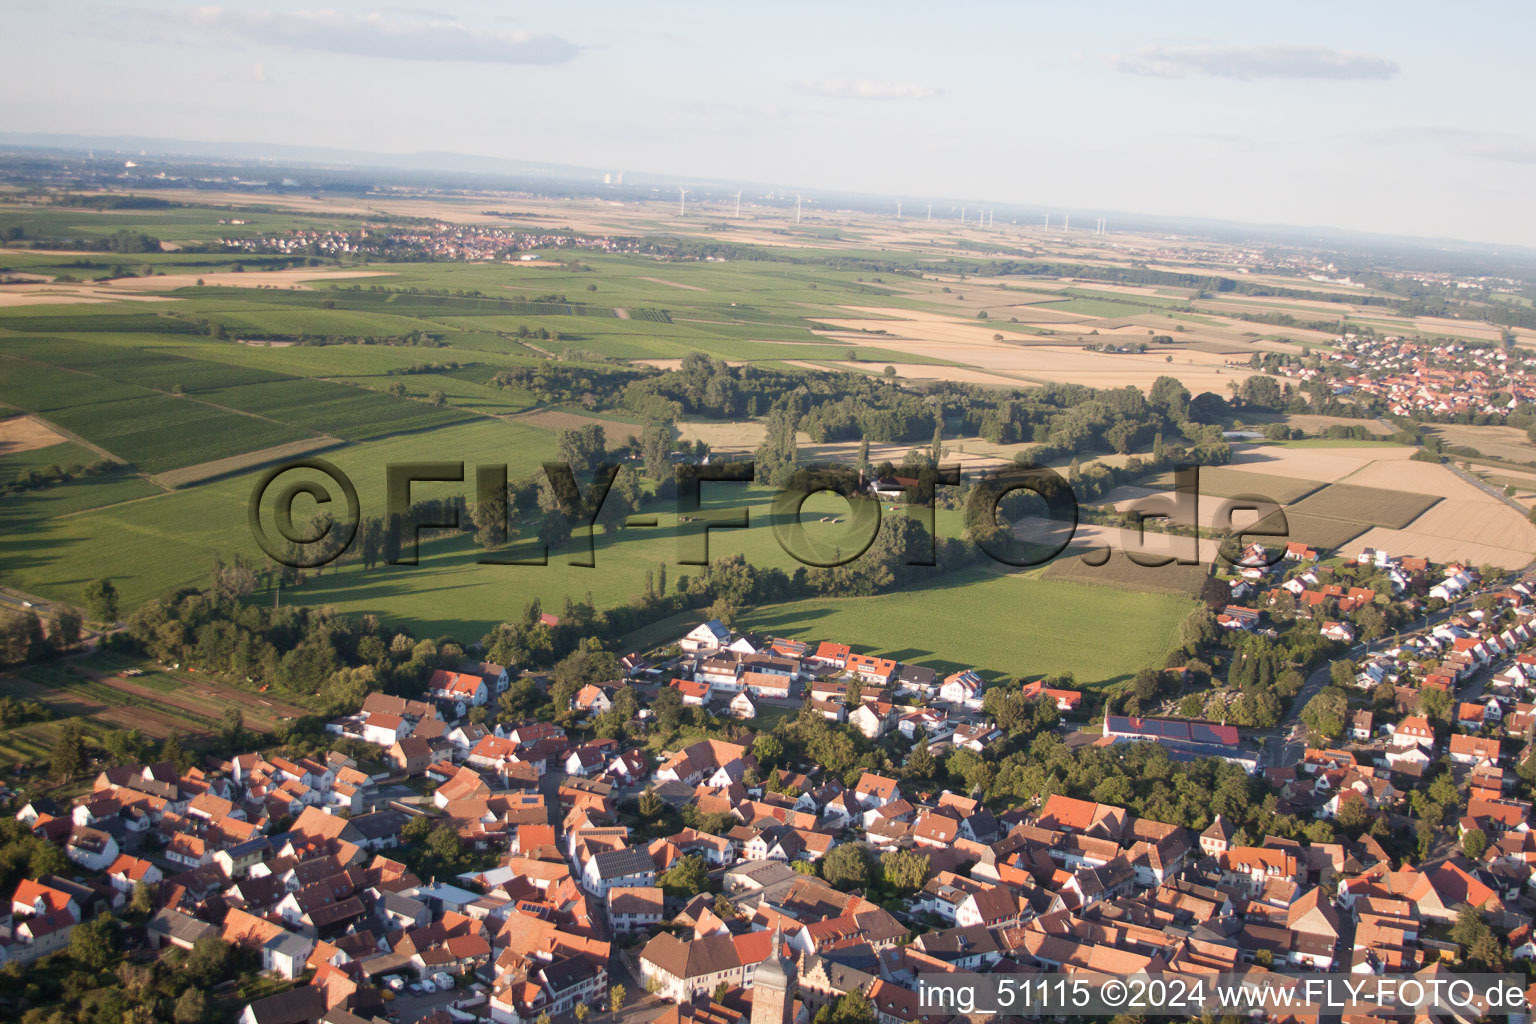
1354 119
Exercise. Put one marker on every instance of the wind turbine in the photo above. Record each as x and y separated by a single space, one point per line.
930 211
898 209
797 208
738 204
682 201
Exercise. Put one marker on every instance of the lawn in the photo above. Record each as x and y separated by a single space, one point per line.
1001 625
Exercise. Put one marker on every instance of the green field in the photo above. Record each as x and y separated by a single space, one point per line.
1002 625
1120 571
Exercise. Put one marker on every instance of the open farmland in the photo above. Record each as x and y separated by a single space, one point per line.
1352 503
1318 531
1225 482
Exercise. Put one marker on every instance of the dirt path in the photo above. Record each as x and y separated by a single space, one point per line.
675 284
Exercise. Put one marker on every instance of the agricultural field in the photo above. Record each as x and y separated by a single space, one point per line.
1119 571
1014 625
1371 505
157 703
1225 482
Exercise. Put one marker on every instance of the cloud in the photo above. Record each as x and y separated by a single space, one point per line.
395 35
864 89
1278 60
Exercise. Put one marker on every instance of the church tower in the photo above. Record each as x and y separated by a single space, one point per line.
773 987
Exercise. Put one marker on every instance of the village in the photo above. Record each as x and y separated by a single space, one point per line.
1413 378
441 241
793 890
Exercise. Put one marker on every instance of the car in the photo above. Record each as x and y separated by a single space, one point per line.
394 983
415 988
427 988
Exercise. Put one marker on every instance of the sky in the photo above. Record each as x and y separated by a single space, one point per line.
1404 118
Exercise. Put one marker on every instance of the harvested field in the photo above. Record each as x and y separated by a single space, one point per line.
298 279
1224 482
1371 505
25 434
1324 465
1493 441
1426 478
1488 522
1445 549
554 419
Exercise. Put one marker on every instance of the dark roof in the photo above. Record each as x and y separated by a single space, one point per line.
1177 730
379 824
620 863
177 925
917 674
296 1006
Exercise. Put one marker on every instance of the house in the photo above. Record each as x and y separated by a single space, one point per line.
741 706
1341 632
766 684
1361 726
91 848
1474 750
1235 616
1065 700
635 908
411 755
830 655
681 970
695 693
458 688
963 688
875 791
872 719
385 730
707 636
495 676
917 679
1414 730
36 899
879 671
592 699
126 872
295 1006
628 867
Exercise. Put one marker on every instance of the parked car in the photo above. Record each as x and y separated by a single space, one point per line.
394 983
427 988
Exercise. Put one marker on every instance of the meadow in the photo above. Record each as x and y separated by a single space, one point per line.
1003 625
